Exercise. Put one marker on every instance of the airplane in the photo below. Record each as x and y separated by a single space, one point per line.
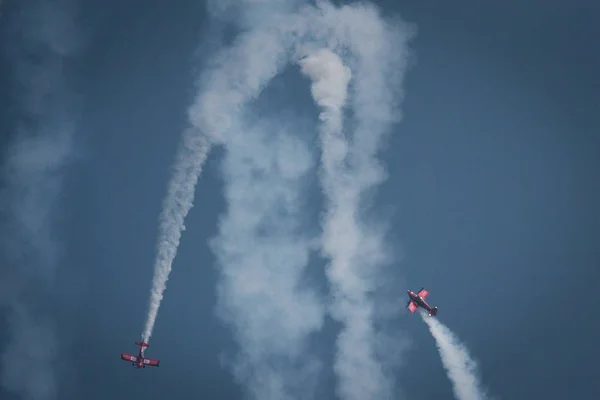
418 299
140 361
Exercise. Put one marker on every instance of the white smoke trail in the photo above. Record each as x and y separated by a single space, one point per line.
253 251
461 369
356 364
190 158
355 253
263 256
187 168
38 39
192 153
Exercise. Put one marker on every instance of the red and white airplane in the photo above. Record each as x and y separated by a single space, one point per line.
140 361
418 299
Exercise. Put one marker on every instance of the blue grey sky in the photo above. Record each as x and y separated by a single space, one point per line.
491 198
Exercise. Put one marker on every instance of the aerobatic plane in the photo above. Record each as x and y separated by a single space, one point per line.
140 361
418 299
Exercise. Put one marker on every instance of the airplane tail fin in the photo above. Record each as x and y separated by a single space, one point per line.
142 344
433 312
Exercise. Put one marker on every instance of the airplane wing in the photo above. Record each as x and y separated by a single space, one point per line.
128 357
423 293
412 306
150 362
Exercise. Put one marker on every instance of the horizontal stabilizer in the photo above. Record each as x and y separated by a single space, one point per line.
143 344
433 311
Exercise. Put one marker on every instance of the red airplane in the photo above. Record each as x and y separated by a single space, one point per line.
418 299
140 361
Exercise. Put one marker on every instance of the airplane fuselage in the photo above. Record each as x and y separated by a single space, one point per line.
419 300
140 359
